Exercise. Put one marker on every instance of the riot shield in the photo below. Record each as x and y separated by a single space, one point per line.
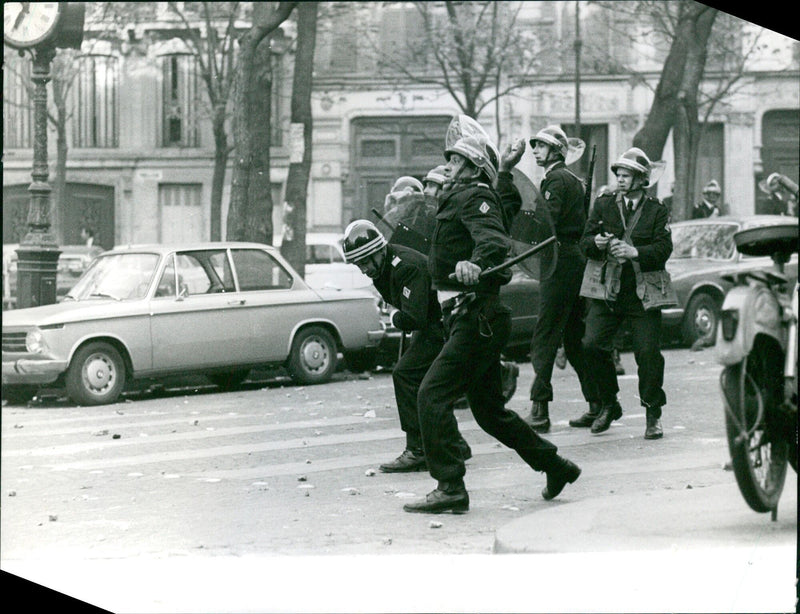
409 221
531 226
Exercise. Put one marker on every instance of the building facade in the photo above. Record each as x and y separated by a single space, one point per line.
141 150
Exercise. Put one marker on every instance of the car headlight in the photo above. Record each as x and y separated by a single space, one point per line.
35 343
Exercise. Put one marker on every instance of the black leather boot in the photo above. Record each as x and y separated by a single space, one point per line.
653 429
540 417
588 418
561 473
447 497
608 413
409 460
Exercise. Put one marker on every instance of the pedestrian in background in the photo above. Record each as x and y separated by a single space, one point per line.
469 238
561 309
87 236
400 275
629 230
710 205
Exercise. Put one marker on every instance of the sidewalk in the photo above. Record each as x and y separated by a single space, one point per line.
691 518
700 549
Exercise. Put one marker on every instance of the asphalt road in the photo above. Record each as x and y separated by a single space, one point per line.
269 499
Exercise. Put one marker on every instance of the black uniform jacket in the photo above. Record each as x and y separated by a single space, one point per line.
564 194
469 226
651 236
405 284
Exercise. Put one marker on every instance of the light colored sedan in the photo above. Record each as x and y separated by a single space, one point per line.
154 311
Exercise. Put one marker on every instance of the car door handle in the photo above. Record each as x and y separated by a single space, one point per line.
239 301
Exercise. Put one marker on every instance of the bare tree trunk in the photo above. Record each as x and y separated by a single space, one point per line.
687 130
250 210
221 152
293 244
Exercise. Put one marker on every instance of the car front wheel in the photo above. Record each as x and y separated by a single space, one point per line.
313 356
96 375
700 320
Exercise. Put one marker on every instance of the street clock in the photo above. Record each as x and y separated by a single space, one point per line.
27 24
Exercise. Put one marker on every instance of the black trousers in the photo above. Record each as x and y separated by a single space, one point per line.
602 323
424 346
469 363
561 317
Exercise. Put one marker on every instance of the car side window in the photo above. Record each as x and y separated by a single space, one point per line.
192 276
166 285
257 270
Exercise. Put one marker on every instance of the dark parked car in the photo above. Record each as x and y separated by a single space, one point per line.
703 252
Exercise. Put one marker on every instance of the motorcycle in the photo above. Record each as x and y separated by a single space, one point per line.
757 346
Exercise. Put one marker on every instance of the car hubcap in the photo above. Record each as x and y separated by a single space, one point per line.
704 322
98 373
315 355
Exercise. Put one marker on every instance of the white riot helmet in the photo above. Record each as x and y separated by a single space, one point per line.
467 137
436 175
553 136
407 183
476 152
636 161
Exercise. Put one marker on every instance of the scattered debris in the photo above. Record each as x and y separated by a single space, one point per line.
12 493
370 414
308 461
351 491
369 473
387 541
510 508
17 426
404 495
435 524
100 433
302 478
52 517
116 436
688 487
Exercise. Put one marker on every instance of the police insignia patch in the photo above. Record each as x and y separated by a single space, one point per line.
406 291
547 194
395 260
484 208
667 228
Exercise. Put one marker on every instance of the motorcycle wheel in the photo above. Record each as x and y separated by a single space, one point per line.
758 457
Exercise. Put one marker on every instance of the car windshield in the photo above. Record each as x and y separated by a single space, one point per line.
709 241
116 276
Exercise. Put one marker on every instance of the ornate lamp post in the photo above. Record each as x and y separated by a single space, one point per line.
39 28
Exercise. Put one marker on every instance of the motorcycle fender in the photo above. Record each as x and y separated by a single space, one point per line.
742 299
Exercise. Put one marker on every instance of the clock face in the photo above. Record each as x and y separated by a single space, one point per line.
26 24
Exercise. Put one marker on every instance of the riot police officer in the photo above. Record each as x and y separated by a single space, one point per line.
400 275
561 310
632 229
469 238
